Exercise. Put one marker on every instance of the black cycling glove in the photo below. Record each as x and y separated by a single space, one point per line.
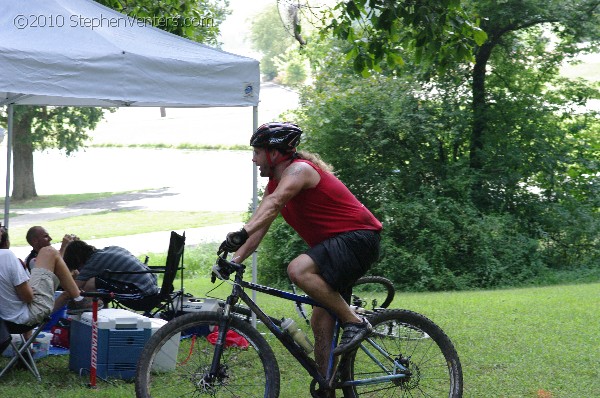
233 241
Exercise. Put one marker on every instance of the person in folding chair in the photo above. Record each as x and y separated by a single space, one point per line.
27 299
38 237
112 269
167 302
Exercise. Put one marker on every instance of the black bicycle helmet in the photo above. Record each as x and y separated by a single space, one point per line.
280 135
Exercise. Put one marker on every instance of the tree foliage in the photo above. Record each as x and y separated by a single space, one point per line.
520 35
432 32
282 61
405 147
196 20
268 35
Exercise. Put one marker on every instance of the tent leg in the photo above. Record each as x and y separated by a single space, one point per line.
254 206
10 112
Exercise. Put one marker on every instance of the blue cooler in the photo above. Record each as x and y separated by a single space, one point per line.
121 336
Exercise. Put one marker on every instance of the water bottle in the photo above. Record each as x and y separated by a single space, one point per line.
290 327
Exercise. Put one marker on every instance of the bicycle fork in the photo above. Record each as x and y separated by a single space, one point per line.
218 371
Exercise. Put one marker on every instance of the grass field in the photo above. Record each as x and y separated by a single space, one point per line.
535 342
538 342
111 223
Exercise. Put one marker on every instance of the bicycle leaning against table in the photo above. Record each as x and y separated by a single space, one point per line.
406 355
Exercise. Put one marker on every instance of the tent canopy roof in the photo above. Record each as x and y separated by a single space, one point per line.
80 53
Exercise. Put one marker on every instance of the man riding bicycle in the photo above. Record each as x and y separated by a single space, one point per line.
343 235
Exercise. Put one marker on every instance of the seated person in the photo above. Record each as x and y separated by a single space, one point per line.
38 238
89 265
28 298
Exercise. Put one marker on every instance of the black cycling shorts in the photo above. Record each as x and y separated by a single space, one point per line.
346 257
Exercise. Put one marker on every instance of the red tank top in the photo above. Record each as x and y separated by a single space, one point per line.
326 210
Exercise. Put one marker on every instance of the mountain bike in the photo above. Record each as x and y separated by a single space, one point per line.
367 293
217 354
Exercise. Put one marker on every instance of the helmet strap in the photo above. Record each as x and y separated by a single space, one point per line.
283 158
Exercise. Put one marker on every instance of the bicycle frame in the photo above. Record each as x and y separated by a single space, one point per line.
399 371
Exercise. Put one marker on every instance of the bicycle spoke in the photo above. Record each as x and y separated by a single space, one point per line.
432 367
246 371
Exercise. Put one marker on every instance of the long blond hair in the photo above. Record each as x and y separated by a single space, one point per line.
316 159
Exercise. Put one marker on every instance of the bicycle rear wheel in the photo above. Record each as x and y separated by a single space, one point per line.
417 343
172 366
369 284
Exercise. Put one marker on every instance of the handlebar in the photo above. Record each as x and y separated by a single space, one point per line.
223 268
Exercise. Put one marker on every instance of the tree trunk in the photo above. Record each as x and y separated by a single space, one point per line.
479 107
23 181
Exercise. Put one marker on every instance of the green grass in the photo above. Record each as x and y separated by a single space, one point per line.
43 201
513 343
110 223
516 343
120 223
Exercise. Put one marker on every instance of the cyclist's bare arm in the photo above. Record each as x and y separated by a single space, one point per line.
295 178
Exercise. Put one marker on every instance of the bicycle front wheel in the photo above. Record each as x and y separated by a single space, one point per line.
176 361
416 343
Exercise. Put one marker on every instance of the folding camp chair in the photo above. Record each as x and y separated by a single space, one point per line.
21 349
166 298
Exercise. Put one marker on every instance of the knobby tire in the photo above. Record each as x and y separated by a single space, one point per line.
416 342
376 283
168 369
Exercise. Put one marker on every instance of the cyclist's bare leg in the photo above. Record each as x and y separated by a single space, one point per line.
322 325
304 272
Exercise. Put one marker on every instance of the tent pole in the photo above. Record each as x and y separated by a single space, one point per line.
254 205
8 163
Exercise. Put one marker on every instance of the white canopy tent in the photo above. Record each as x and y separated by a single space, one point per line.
80 53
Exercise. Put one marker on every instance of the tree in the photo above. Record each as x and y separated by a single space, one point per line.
445 34
268 36
198 20
405 147
574 26
38 128
432 32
